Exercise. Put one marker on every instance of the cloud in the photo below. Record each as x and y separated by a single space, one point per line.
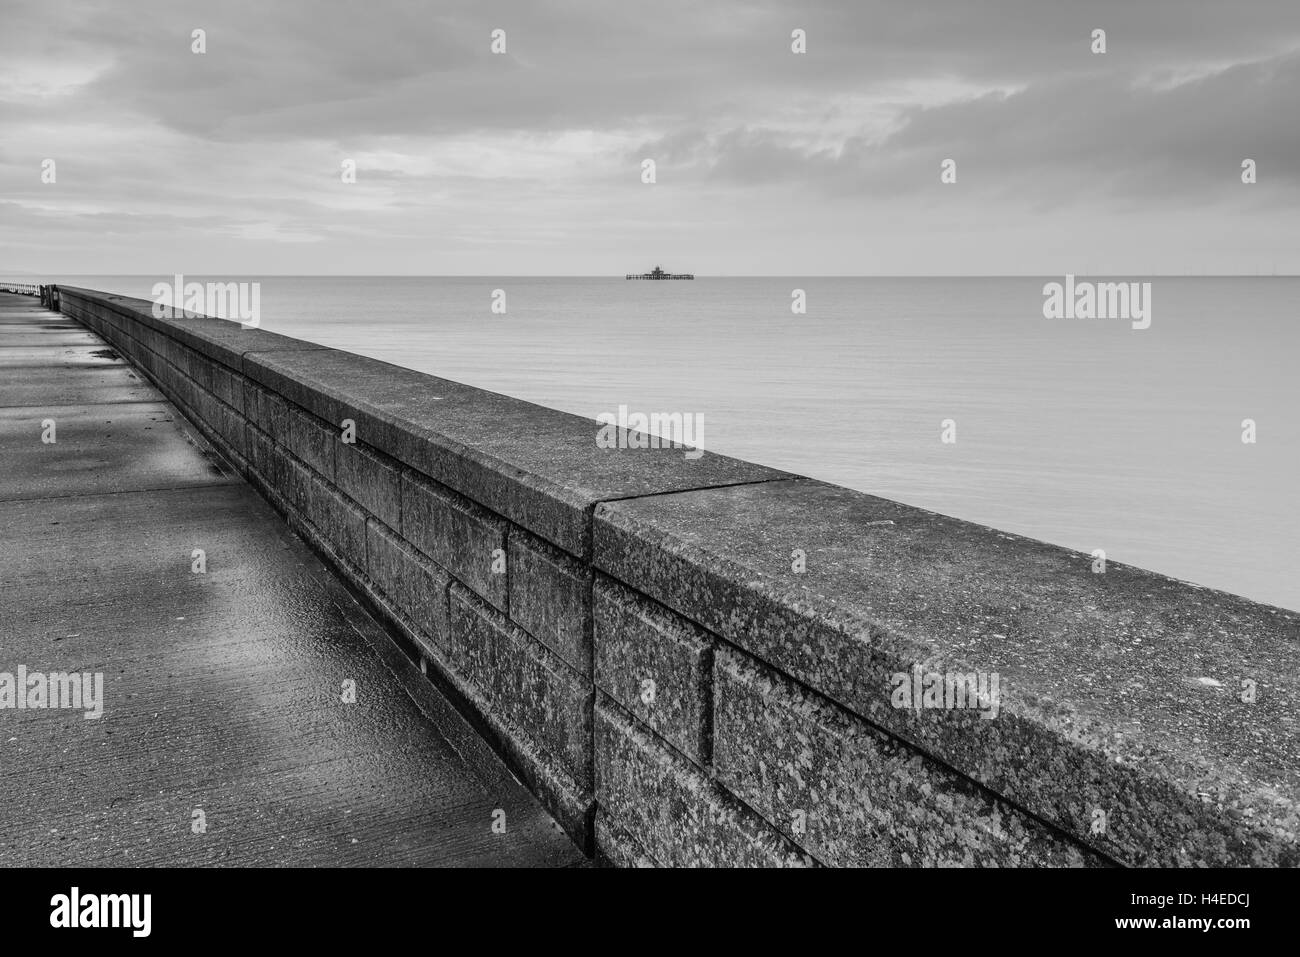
547 140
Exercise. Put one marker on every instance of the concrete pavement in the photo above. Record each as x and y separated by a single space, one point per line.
226 736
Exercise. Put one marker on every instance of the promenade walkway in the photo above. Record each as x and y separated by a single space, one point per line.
225 737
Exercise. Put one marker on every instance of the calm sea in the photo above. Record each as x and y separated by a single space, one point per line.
1086 433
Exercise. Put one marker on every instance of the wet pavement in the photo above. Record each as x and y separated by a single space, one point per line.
252 712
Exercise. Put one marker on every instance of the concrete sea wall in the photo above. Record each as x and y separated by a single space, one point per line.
701 661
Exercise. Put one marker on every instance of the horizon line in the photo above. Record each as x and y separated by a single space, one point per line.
137 275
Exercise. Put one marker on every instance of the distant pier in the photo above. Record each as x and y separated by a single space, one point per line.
658 273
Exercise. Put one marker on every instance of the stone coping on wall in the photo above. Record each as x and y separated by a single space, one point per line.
1120 692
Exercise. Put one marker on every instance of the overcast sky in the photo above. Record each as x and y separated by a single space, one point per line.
768 162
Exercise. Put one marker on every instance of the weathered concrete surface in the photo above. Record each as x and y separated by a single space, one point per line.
218 339
538 467
657 666
222 691
526 683
99 448
1122 717
684 818
853 796
550 596
24 383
